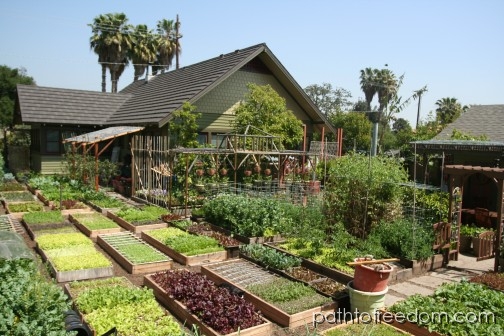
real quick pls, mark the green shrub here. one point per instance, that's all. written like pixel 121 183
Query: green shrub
pixel 406 239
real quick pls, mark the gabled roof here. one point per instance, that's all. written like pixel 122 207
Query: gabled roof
pixel 478 120
pixel 154 100
pixel 65 106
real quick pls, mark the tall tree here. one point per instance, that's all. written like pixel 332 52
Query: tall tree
pixel 267 111
pixel 329 100
pixel 368 85
pixel 168 44
pixel 448 110
pixel 111 42
pixel 9 79
pixel 143 50
pixel 356 128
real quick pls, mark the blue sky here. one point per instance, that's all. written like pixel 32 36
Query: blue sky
pixel 453 47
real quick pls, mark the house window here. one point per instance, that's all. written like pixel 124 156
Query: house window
pixel 217 140
pixel 53 140
pixel 202 138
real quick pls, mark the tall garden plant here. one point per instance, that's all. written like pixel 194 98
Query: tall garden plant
pixel 361 191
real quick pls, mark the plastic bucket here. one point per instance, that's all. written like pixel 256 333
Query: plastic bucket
pixel 366 302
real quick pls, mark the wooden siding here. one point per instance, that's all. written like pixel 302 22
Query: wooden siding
pixel 51 164
pixel 217 106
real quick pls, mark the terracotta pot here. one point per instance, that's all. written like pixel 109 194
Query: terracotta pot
pixel 371 277
pixel 200 172
pixel 248 173
pixel 267 172
pixel 223 172
pixel 211 171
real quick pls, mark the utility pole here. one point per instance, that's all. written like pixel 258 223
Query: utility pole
pixel 177 25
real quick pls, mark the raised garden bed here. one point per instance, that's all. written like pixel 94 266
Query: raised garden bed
pixel 231 244
pixel 34 222
pixel 92 224
pixel 290 267
pixel 72 256
pixel 183 293
pixel 420 267
pixel 105 205
pixel 329 272
pixel 137 220
pixel 247 240
pixel 134 255
pixel 491 279
pixel 16 196
pixel 160 239
pixel 250 277
pixel 116 302
pixel 18 209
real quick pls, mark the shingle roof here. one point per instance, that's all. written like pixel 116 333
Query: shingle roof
pixel 65 106
pixel 478 120
pixel 156 98
pixel 152 101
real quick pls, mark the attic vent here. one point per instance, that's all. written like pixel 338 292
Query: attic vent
pixel 148 78
pixel 236 51
pixel 221 55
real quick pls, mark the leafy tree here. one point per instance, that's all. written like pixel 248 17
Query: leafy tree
pixel 111 41
pixel 265 110
pixel 401 124
pixel 9 78
pixel 448 110
pixel 184 126
pixel 363 190
pixel 329 100
pixel 356 129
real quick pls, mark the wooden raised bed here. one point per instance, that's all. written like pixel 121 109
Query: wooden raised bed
pixel 251 270
pixel 316 267
pixel 130 267
pixel 32 232
pixel 182 258
pixel 405 325
pixel 247 240
pixel 92 233
pixel 137 229
pixel 84 274
pixel 181 311
pixel 419 267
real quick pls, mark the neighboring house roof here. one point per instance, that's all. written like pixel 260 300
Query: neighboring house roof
pixel 65 106
pixel 153 101
pixel 478 120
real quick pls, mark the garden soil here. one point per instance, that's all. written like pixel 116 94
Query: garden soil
pixel 137 280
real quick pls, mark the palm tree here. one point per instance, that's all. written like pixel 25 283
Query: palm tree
pixel 97 43
pixel 367 82
pixel 111 41
pixel 449 109
pixel 168 44
pixel 143 51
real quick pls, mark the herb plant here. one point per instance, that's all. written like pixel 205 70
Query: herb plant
pixel 43 217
